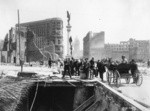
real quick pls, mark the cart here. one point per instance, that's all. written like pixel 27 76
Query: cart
pixel 123 71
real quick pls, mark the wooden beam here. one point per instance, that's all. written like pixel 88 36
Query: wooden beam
pixel 85 104
pixel 93 106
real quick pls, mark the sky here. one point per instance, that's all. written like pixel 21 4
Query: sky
pixel 120 19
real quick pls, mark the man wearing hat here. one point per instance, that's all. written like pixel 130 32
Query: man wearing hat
pixel 124 60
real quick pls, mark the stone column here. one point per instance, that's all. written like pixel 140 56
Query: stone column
pixel 68 36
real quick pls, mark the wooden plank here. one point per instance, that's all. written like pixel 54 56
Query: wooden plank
pixel 85 104
pixel 93 106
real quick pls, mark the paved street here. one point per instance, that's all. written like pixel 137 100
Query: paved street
pixel 141 93
pixel 13 70
pixel 138 93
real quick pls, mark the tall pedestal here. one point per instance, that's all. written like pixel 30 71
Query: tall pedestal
pixel 68 36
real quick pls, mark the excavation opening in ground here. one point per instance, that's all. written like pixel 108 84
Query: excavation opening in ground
pixel 56 97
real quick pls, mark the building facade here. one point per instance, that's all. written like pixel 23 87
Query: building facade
pixel 138 49
pixel 47 31
pixel 115 51
pixel 34 41
pixel 132 49
pixel 93 45
pixel 86 45
pixel 14 45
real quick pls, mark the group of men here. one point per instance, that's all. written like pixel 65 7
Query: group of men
pixel 89 68
pixel 75 67
pixel 72 67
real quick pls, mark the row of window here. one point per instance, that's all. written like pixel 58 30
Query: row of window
pixel 54 25
pixel 57 42
pixel 42 30
pixel 121 49
pixel 58 49
pixel 56 32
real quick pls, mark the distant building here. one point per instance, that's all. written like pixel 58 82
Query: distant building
pixel 16 48
pixel 10 51
pixel 93 45
pixel 4 49
pixel 1 49
pixel 132 49
pixel 77 53
pixel 86 45
pixel 115 51
pixel 44 40
pixel 47 31
pixel 139 49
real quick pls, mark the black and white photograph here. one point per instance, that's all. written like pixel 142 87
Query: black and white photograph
pixel 74 55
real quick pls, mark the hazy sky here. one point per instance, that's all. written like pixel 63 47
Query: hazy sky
pixel 120 19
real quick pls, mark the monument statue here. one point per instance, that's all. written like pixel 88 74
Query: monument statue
pixel 68 16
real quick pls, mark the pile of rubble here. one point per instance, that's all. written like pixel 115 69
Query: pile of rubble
pixel 12 89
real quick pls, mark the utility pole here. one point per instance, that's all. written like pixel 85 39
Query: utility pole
pixel 16 46
pixel 1 56
pixel 20 60
pixel 19 34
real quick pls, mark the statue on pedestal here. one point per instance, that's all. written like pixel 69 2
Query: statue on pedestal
pixel 68 16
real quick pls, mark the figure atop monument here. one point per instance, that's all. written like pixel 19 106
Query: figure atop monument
pixel 68 16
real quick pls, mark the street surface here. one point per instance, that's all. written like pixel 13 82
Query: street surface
pixel 140 94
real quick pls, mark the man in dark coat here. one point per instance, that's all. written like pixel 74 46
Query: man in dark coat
pixel 92 63
pixel 67 67
pixel 72 66
pixel 101 68
pixel 86 68
pixel 78 67
pixel 50 62
pixel 148 63
pixel 134 69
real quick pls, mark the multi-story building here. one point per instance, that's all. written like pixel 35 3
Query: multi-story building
pixel 132 49
pixel 115 51
pixel 1 50
pixel 34 41
pixel 139 49
pixel 86 45
pixel 93 45
pixel 14 45
pixel 47 31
